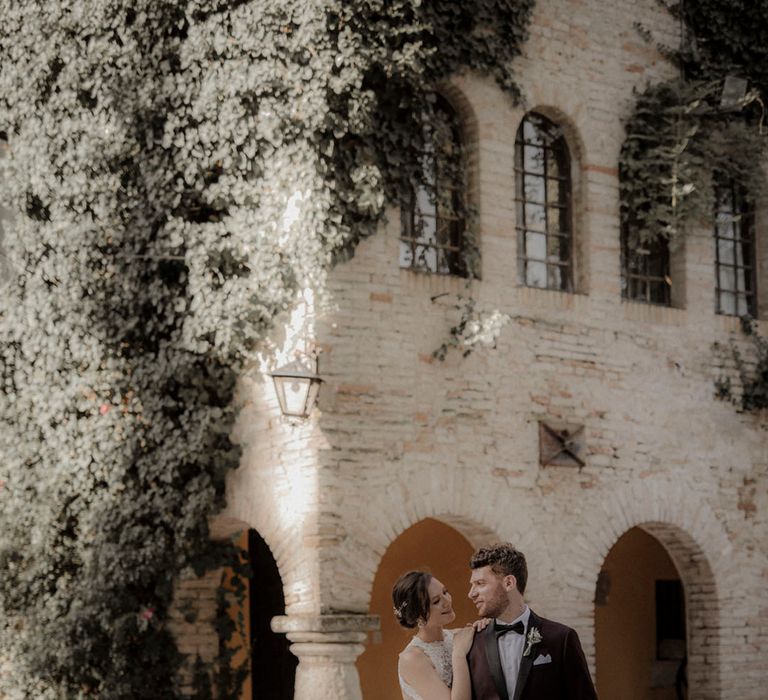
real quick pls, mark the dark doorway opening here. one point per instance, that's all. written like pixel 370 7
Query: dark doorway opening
pixel 273 667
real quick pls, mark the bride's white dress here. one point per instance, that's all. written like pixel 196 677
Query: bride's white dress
pixel 439 653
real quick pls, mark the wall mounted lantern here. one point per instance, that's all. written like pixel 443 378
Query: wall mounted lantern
pixel 296 386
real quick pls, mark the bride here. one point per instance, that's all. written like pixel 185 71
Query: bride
pixel 433 666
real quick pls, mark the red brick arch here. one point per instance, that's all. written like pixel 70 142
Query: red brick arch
pixel 698 546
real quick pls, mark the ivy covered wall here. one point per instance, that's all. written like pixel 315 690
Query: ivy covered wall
pixel 177 170
pixel 686 130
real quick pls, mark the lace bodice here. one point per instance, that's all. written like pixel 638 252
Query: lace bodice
pixel 439 653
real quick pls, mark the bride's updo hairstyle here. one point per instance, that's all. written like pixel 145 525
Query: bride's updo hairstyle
pixel 410 596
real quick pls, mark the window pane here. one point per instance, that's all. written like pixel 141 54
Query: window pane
pixel 740 255
pixel 535 216
pixel 725 250
pixel 557 191
pixel 636 263
pixel 543 217
pixel 406 254
pixel 536 274
pixel 426 258
pixel 534 189
pixel 554 166
pixel 454 261
pixel 426 229
pixel 530 132
pixel 557 280
pixel 535 246
pixel 443 265
pixel 557 249
pixel 727 303
pixel 533 159
pixel 657 265
pixel 557 219
pixel 425 203
pixel 443 232
pixel 735 254
pixel 727 278
pixel 433 214
pixel 659 292
pixel 741 280
pixel 637 289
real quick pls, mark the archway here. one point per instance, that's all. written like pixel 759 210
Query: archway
pixel 428 545
pixel 272 665
pixel 656 618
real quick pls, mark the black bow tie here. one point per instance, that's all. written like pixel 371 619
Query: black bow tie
pixel 501 628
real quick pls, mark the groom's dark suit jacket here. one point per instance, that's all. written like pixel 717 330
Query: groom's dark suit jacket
pixel 565 677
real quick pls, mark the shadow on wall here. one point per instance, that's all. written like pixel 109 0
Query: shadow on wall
pixel 429 545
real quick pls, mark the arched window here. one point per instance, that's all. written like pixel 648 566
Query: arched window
pixel 543 196
pixel 734 250
pixel 432 214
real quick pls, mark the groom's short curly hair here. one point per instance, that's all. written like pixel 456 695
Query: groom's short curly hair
pixel 504 560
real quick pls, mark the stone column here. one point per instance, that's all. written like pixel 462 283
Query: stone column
pixel 327 647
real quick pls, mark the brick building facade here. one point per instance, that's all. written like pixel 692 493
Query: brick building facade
pixel 399 436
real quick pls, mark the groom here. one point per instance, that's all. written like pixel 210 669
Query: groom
pixel 520 656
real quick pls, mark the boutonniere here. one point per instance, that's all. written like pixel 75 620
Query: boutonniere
pixel 534 637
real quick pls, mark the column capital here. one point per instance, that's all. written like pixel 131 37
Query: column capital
pixel 327 647
pixel 325 625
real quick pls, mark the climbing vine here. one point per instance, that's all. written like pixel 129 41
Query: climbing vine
pixel 752 371
pixel 684 131
pixel 476 327
pixel 176 170
pixel 687 134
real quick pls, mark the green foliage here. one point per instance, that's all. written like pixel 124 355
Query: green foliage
pixel 726 37
pixel 753 372
pixel 178 170
pixel 475 327
pixel 676 140
pixel 679 136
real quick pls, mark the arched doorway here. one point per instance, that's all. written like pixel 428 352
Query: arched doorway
pixel 640 622
pixel 428 545
pixel 272 667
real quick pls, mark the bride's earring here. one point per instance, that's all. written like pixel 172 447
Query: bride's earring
pixel 421 623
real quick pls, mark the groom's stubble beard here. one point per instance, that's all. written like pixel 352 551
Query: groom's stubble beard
pixel 496 606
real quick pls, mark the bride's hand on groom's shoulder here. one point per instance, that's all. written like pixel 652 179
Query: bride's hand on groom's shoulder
pixel 481 624
pixel 462 641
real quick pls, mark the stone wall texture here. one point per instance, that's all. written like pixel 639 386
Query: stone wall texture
pixel 399 436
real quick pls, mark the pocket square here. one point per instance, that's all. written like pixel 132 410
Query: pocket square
pixel 541 659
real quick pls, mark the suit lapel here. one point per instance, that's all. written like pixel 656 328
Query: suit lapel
pixel 494 662
pixel 527 661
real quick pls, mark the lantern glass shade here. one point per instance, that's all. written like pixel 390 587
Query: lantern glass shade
pixel 296 387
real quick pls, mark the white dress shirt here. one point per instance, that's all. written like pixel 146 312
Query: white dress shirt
pixel 511 647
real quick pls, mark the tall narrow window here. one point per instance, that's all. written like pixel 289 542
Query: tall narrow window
pixel 734 251
pixel 645 270
pixel 433 226
pixel 543 177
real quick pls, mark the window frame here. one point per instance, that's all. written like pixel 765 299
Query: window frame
pixel 561 153
pixel 631 257
pixel 449 242
pixel 743 219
